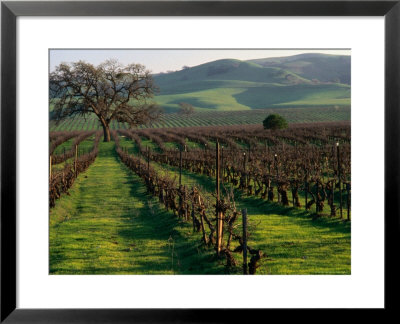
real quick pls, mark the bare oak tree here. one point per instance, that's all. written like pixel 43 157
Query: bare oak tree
pixel 185 109
pixel 110 90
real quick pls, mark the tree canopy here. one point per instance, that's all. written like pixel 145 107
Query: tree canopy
pixel 110 90
pixel 185 109
pixel 275 121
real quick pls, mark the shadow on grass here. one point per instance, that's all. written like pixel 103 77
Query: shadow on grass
pixel 257 205
pixel 306 218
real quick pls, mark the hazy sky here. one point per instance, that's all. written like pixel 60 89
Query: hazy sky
pixel 163 60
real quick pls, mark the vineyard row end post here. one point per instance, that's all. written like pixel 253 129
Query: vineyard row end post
pixel 148 162
pixel 277 176
pixel 340 180
pixel 244 169
pixel 76 160
pixel 222 163
pixel 50 169
pixel 348 189
pixel 180 166
pixel 244 221
pixel 218 212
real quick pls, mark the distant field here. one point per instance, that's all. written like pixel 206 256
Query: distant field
pixel 215 118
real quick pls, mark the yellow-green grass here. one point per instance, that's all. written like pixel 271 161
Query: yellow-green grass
pixel 109 225
pixel 214 99
pixel 309 102
pixel 149 143
pixel 127 143
pixel 193 145
pixel 171 145
pixel 64 146
pixel 295 241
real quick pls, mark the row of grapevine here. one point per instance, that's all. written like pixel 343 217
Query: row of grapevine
pixel 215 223
pixel 67 154
pixel 216 118
pixel 315 164
pixel 60 181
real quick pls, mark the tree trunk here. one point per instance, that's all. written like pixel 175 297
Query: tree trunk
pixel 107 135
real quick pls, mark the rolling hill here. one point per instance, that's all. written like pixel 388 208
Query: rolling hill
pixel 307 80
pixel 320 67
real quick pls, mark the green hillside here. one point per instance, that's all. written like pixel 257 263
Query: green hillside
pixel 228 69
pixel 239 85
pixel 321 67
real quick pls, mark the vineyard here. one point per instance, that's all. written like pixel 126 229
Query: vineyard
pixel 214 118
pixel 216 199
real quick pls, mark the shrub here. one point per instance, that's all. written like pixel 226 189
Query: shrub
pixel 275 121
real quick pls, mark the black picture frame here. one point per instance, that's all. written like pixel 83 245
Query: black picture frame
pixel 9 13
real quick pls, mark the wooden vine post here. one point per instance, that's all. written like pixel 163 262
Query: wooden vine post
pixel 50 170
pixel 193 218
pixel 76 160
pixel 348 189
pixel 218 207
pixel 148 162
pixel 316 198
pixel 248 175
pixel 222 163
pixel 340 180
pixel 244 169
pixel 244 221
pixel 277 175
pixel 186 206
pixel 180 166
pixel 202 220
pixel 306 188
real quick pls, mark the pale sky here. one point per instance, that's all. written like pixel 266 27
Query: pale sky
pixel 162 60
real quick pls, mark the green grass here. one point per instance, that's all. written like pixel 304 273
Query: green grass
pixel 304 95
pixel 295 242
pixel 109 225
pixel 64 146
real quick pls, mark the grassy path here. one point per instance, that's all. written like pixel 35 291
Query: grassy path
pixel 109 225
